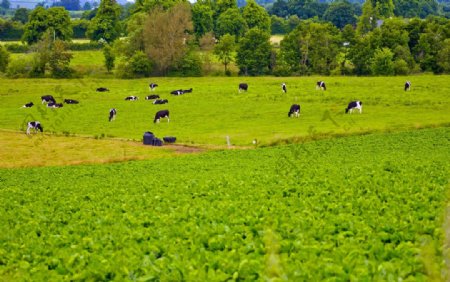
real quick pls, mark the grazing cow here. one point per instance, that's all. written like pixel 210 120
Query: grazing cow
pixel 243 87
pixel 36 125
pixel 294 110
pixel 70 101
pixel 354 105
pixel 160 101
pixel 54 105
pixel 283 87
pixel 151 97
pixel 131 98
pixel 407 85
pixel 177 92
pixel 152 86
pixel 102 89
pixel 321 85
pixel 48 99
pixel 112 114
pixel 161 114
pixel 29 105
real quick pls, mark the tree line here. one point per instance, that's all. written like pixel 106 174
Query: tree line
pixel 175 37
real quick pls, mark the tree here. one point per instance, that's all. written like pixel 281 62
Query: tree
pixel 202 18
pixel 109 57
pixel 384 8
pixel 280 8
pixel 21 15
pixel 4 58
pixel 382 62
pixel 105 24
pixel 55 19
pixel 87 6
pixel 224 50
pixel 340 13
pixel 368 20
pixel 443 56
pixel 231 22
pixel 165 35
pixel 253 55
pixel 5 4
pixel 256 16
pixel 59 60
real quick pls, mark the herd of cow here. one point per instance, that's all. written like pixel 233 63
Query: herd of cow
pixel 294 110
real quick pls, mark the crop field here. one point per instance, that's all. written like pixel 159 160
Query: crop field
pixel 359 208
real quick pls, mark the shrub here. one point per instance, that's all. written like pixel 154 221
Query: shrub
pixel 4 58
pixel 17 48
pixel 21 66
pixel 401 67
pixel 136 66
pixel 190 65
pixel 10 30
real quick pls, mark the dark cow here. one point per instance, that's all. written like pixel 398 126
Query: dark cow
pixel 131 98
pixel 321 85
pixel 161 114
pixel 48 99
pixel 36 125
pixel 102 89
pixel 151 97
pixel 283 87
pixel 54 105
pixel 29 105
pixel 160 101
pixel 243 87
pixel 177 92
pixel 112 114
pixel 152 86
pixel 70 101
pixel 294 110
pixel 187 90
pixel 354 105
pixel 407 85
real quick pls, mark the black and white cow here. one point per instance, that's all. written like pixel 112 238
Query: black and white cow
pixel 54 105
pixel 102 89
pixel 28 105
pixel 187 91
pixel 112 114
pixel 36 125
pixel 152 97
pixel 294 110
pixel 243 87
pixel 321 85
pixel 177 92
pixel 48 99
pixel 407 85
pixel 354 105
pixel 70 101
pixel 160 101
pixel 161 114
pixel 152 86
pixel 131 98
pixel 283 87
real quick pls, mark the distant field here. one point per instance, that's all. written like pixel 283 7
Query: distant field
pixel 362 208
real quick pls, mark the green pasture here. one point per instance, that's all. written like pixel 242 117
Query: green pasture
pixel 215 109
pixel 360 208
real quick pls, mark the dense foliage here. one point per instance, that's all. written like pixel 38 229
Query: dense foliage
pixel 360 208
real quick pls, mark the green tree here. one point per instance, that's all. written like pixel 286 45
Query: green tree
pixel 382 62
pixel 202 18
pixel 5 4
pixel 280 8
pixel 256 16
pixel 340 13
pixel 384 8
pixel 21 15
pixel 59 60
pixel 254 51
pixel 4 58
pixel 55 19
pixel 105 25
pixel 109 57
pixel 224 50
pixel 368 20
pixel 443 56
pixel 231 22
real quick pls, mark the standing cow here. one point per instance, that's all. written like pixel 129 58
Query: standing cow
pixel 161 114
pixel 320 85
pixel 407 85
pixel 243 87
pixel 36 125
pixel 283 87
pixel 294 110
pixel 354 105
pixel 48 99
pixel 112 114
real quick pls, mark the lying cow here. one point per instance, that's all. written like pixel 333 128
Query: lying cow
pixel 243 87
pixel 177 92
pixel 294 110
pixel 48 99
pixel 160 101
pixel 152 86
pixel 151 97
pixel 131 98
pixel 28 105
pixel 187 91
pixel 112 114
pixel 36 125
pixel 70 101
pixel 321 85
pixel 407 85
pixel 54 105
pixel 283 87
pixel 161 114
pixel 102 89
pixel 354 105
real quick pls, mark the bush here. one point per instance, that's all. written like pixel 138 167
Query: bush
pixel 79 28
pixel 21 67
pixel 17 48
pixel 10 30
pixel 137 66
pixel 190 65
pixel 401 67
pixel 84 46
pixel 4 59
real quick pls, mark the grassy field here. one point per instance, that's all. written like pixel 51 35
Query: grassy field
pixel 361 208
